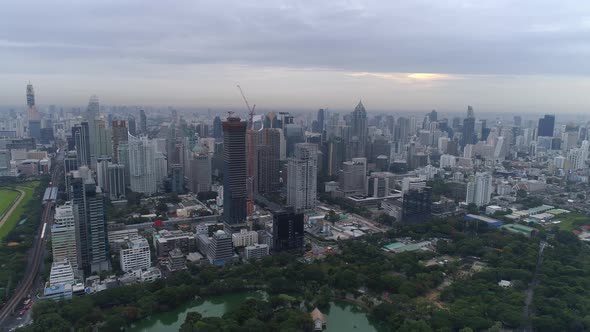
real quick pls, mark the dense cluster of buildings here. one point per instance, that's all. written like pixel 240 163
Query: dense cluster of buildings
pixel 264 177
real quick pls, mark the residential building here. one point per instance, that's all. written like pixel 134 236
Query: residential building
pixel 136 255
pixel 302 177
pixel 479 189
pixel 165 241
pixel 63 235
pixel 244 238
pixel 256 251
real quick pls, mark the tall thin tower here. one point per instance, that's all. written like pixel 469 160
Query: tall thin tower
pixel 234 170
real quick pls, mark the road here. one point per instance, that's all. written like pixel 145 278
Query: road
pixel 36 255
pixel 530 292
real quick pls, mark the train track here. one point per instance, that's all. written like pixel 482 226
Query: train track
pixel 34 261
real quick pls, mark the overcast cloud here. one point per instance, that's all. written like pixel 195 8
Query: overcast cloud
pixel 528 55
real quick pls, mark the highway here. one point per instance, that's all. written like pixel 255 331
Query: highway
pixel 36 255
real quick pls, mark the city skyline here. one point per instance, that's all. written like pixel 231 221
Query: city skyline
pixel 402 56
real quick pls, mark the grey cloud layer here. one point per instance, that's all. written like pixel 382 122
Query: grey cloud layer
pixel 455 37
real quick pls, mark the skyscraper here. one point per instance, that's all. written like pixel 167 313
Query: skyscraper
pixel 479 189
pixel 30 96
pixel 302 177
pixel 321 120
pixel 93 109
pixel 119 133
pixel 33 115
pixel 88 204
pixel 546 126
pixel 142 122
pixel 217 128
pixel 470 113
pixel 81 135
pixel 142 165
pixel 199 172
pixel 63 235
pixel 469 135
pixel 359 132
pixel 234 171
pixel 132 125
pixel 269 154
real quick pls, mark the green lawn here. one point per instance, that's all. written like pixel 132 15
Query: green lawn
pixel 16 215
pixel 7 196
pixel 571 221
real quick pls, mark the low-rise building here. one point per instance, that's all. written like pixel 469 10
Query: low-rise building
pixel 165 241
pixel 136 255
pixel 244 238
pixel 256 251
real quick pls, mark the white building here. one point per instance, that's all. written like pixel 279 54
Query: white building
pixel 447 161
pixel 61 273
pixel 136 256
pixel 412 183
pixel 63 235
pixel 256 251
pixel 479 190
pixel 244 238
pixel 142 165
pixel 302 177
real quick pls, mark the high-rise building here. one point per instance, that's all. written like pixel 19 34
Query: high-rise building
pixel 199 173
pixel 469 135
pixel 417 205
pixel 353 177
pixel 470 113
pixel 135 255
pixel 217 129
pixel 142 122
pixel 479 189
pixel 93 109
pixel 517 121
pixel 433 116
pixel 142 165
pixel 88 203
pixel 302 177
pixel 287 229
pixel 268 165
pixel 34 117
pixel 176 179
pixel 120 135
pixel 578 156
pixel 234 171
pixel 63 235
pixel 30 96
pixel 321 120
pixel 116 181
pixel 81 135
pixel 546 126
pixel 132 125
pixel 359 131
pixel 220 249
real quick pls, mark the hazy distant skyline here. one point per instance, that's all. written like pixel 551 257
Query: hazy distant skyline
pixel 500 56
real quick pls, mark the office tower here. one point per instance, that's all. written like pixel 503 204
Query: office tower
pixel 379 147
pixel 101 173
pixel 199 173
pixel 102 140
pixel 470 113
pixel 81 135
pixel 353 177
pixel 546 126
pixel 517 121
pixel 403 130
pixel 302 177
pixel 220 250
pixel 88 203
pixel 142 165
pixel 333 156
pixel 234 170
pixel 63 235
pixel 142 122
pixel 358 123
pixel 93 110
pixel 30 95
pixel 252 142
pixel 268 166
pixel 116 181
pixel 176 179
pixel 469 136
pixel 131 124
pixel 479 189
pixel 321 120
pixel 34 117
pixel 294 134
pixel 287 230
pixel 120 135
pixel 217 129
pixel 380 184
pixel 417 205
pixel 136 255
pixel 433 116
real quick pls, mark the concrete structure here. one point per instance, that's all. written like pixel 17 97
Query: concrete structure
pixel 142 165
pixel 244 238
pixel 479 189
pixel 165 241
pixel 61 273
pixel 256 251
pixel 353 177
pixel 380 184
pixel 302 177
pixel 136 256
pixel 63 235
pixel 176 260
pixel 220 250
pixel 234 171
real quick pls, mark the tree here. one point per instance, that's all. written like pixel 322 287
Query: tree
pixel 332 217
pixel 385 219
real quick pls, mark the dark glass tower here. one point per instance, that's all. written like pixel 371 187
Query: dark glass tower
pixel 234 171
pixel 546 126
pixel 287 229
pixel 469 135
pixel 81 134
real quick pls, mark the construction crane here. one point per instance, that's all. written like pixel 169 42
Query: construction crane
pixel 250 109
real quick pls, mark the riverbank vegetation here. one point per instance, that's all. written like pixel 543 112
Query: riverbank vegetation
pixel 410 291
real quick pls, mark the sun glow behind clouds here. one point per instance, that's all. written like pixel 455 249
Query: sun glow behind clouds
pixel 407 77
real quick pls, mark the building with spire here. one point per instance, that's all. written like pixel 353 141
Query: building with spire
pixel 359 131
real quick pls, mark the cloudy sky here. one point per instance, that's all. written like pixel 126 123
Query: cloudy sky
pixel 498 55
